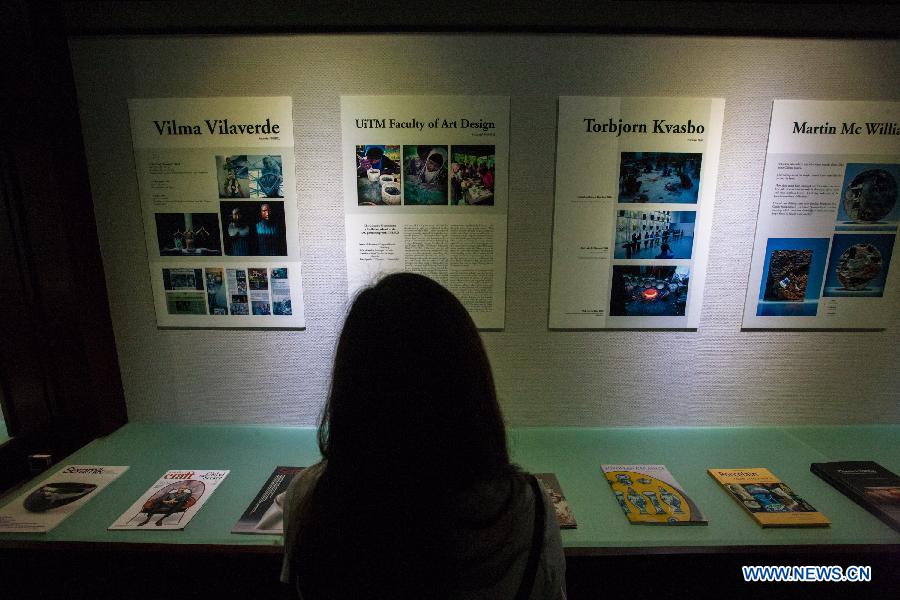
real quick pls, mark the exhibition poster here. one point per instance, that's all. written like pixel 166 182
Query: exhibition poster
pixel 828 216
pixel 426 191
pixel 172 501
pixel 635 187
pixel 218 198
pixel 47 504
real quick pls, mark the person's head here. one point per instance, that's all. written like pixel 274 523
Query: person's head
pixel 434 162
pixel 664 247
pixel 236 216
pixel 412 391
pixel 265 211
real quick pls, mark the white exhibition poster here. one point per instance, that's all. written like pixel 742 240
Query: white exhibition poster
pixel 47 504
pixel 828 216
pixel 218 198
pixel 172 501
pixel 635 187
pixel 426 191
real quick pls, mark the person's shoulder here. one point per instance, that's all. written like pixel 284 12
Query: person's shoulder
pixel 304 483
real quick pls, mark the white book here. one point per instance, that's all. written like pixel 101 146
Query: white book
pixel 172 501
pixel 49 503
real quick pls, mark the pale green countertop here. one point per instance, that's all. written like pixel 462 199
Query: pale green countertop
pixel 574 454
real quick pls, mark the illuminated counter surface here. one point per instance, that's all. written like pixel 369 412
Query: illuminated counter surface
pixel 574 454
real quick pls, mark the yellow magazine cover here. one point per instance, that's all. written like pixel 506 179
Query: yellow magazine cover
pixel 768 499
pixel 649 495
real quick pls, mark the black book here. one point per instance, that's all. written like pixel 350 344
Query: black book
pixel 868 484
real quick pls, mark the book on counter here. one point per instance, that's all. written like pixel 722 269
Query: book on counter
pixel 768 499
pixel 266 513
pixel 172 501
pixel 560 505
pixel 650 495
pixel 868 484
pixel 47 504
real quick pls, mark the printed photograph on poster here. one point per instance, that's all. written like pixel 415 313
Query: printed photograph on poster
pixel 182 279
pixel 260 304
pixel 472 175
pixel 188 234
pixel 250 176
pixel 667 177
pixel 281 292
pixel 425 175
pixel 237 291
pixel 259 279
pixel 185 303
pixel 792 277
pixel 215 291
pixel 239 305
pixel 660 234
pixel 869 198
pixel 648 291
pixel 259 292
pixel 237 281
pixel 858 265
pixel 254 228
pixel 378 175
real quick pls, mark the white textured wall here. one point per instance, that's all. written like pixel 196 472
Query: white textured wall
pixel 717 375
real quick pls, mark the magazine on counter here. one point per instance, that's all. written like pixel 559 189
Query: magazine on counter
pixel 560 504
pixel 266 513
pixel 769 500
pixel 171 502
pixel 650 495
pixel 49 503
pixel 868 484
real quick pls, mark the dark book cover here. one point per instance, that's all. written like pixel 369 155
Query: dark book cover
pixel 266 513
pixel 868 484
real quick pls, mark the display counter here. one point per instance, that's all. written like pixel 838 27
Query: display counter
pixel 574 454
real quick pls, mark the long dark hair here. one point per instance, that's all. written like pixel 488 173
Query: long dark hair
pixel 411 423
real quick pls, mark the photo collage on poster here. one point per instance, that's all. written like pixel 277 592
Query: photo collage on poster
pixel 796 274
pixel 645 281
pixel 250 222
pixel 425 175
pixel 222 291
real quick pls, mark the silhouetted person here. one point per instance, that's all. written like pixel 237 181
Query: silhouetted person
pixel 415 496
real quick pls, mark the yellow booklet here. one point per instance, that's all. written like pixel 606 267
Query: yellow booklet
pixel 769 500
pixel 649 495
